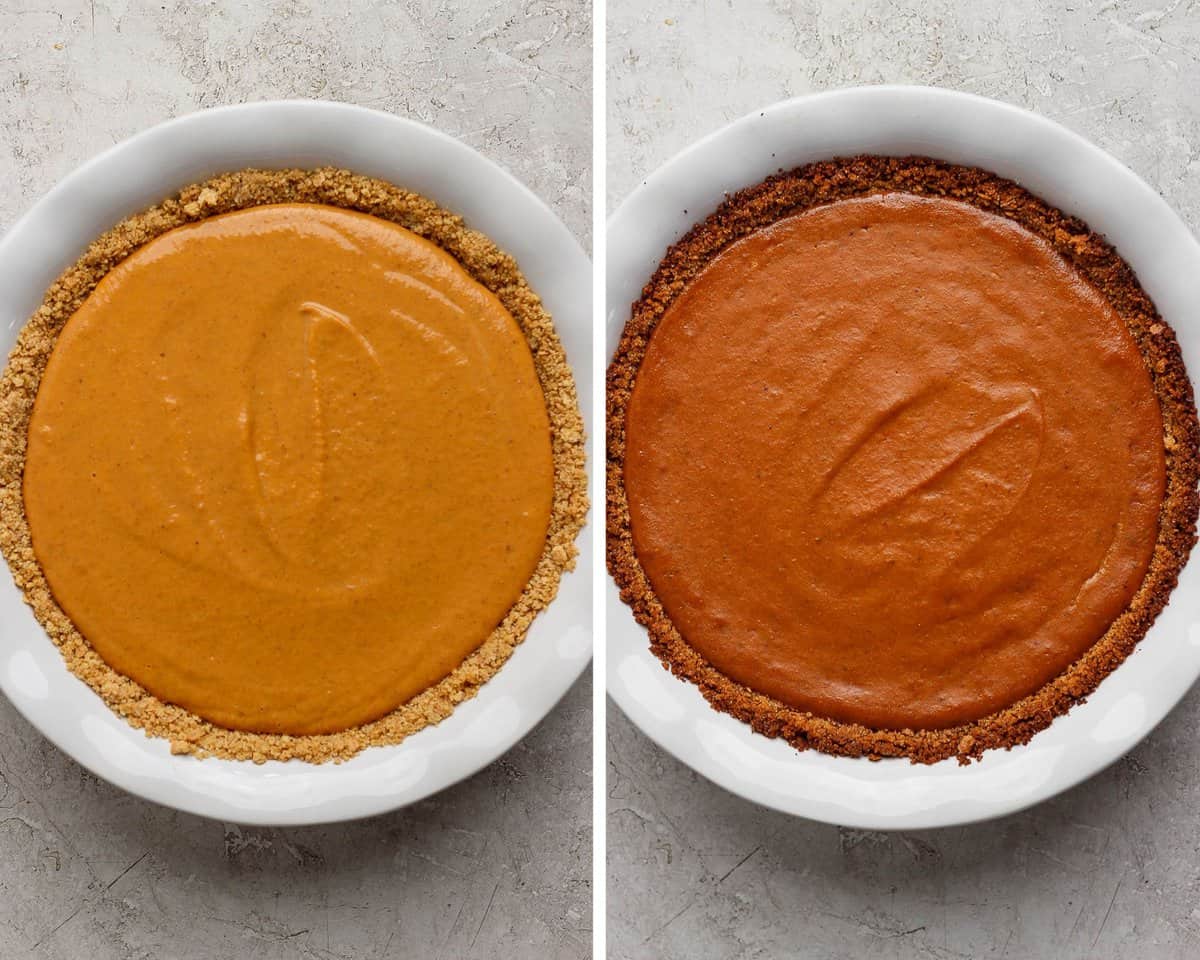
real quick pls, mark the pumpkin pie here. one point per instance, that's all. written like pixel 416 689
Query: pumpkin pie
pixel 902 461
pixel 289 463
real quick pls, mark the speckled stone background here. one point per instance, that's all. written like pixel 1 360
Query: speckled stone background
pixel 499 866
pixel 1112 868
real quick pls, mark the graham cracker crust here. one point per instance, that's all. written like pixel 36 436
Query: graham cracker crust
pixel 487 264
pixel 1098 262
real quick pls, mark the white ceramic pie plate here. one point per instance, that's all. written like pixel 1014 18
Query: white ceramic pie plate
pixel 1068 172
pixel 142 171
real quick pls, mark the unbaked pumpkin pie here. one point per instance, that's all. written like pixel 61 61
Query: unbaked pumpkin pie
pixel 902 461
pixel 290 463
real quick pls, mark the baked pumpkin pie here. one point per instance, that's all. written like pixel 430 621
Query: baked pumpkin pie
pixel 902 461
pixel 289 463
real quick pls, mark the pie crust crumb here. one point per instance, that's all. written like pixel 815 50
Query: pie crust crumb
pixel 485 262
pixel 1098 262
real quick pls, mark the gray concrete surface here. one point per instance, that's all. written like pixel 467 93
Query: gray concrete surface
pixel 498 866
pixel 1109 870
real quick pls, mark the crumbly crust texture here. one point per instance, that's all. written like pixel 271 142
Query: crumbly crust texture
pixel 494 269
pixel 1098 262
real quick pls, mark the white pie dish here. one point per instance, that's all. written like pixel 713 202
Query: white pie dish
pixel 144 170
pixel 1066 171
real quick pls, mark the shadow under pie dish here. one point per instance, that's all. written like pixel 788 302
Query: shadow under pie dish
pixel 901 459
pixel 304 461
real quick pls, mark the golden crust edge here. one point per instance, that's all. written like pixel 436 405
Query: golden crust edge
pixel 485 262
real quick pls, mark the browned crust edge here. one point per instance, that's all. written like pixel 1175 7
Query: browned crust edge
pixel 485 262
pixel 825 182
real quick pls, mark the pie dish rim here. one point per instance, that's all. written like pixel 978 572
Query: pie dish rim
pixel 1069 173
pixel 137 174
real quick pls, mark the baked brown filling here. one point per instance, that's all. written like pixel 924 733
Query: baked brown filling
pixel 852 447
pixel 892 446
